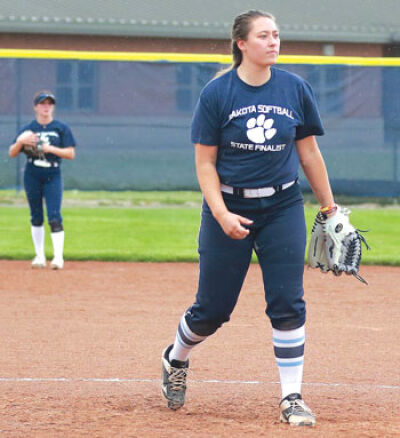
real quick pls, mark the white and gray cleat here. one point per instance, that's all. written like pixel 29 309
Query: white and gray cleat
pixel 295 412
pixel 174 375
pixel 57 263
pixel 38 262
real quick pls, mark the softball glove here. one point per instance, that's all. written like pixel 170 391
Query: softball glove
pixel 35 151
pixel 335 245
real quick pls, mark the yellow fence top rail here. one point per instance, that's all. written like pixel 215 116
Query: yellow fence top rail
pixel 190 57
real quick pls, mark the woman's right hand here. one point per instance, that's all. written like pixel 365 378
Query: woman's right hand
pixel 28 138
pixel 233 225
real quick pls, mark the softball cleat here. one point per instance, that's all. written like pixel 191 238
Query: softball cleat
pixel 57 263
pixel 173 385
pixel 295 412
pixel 38 262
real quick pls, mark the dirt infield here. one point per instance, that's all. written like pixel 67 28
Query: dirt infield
pixel 80 355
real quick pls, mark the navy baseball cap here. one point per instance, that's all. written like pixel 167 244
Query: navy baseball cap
pixel 41 97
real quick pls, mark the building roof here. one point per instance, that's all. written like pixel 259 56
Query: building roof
pixel 374 21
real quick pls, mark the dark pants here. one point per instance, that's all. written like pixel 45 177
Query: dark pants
pixel 278 237
pixel 44 183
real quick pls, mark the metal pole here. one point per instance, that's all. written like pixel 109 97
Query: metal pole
pixel 18 86
pixel 395 167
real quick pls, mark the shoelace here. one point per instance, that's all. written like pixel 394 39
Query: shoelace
pixel 298 408
pixel 177 379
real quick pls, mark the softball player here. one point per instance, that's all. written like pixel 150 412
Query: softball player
pixel 252 126
pixel 42 174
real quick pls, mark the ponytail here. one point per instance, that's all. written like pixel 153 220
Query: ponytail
pixel 240 30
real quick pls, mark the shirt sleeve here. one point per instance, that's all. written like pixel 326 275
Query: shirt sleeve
pixel 67 138
pixel 312 124
pixel 205 123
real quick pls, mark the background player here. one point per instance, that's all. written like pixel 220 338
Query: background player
pixel 42 174
pixel 252 126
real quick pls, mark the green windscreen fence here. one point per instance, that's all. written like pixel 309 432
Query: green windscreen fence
pixel 131 117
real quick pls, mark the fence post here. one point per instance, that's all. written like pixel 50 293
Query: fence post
pixel 395 167
pixel 18 116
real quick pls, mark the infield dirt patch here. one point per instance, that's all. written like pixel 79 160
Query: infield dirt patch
pixel 80 355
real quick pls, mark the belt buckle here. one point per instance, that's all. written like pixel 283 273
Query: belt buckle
pixel 261 192
pixel 267 192
pixel 239 191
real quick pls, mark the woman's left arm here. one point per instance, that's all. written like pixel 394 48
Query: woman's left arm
pixel 67 152
pixel 314 169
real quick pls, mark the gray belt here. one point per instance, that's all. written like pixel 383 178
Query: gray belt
pixel 261 192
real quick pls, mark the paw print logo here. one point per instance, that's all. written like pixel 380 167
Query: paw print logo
pixel 259 129
pixel 44 138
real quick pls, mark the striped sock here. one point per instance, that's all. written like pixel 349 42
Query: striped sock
pixel 185 340
pixel 289 354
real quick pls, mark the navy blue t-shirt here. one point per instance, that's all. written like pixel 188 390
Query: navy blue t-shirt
pixel 56 133
pixel 255 128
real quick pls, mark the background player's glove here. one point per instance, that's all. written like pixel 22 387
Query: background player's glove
pixel 335 244
pixel 32 150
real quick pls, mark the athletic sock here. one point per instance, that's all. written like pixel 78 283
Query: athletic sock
pixel 289 354
pixel 38 240
pixel 185 340
pixel 58 244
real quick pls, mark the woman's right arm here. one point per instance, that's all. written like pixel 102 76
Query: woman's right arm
pixel 26 138
pixel 232 224
pixel 15 149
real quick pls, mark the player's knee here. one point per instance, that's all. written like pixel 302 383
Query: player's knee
pixel 288 323
pixel 36 222
pixel 56 226
pixel 287 311
pixel 204 325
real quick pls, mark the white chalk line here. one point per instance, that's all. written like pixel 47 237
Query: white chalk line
pixel 226 382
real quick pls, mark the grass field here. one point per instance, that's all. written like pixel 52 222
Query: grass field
pixel 157 226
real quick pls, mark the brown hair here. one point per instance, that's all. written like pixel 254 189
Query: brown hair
pixel 240 30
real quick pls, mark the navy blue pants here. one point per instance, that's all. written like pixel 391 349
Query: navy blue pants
pixel 278 236
pixel 44 183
